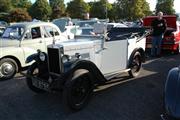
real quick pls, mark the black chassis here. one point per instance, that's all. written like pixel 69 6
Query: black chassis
pixel 57 81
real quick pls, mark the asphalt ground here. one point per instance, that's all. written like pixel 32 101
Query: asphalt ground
pixel 139 98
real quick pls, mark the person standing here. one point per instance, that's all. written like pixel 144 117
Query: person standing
pixel 158 29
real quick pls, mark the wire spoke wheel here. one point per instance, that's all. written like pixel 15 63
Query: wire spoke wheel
pixel 135 65
pixel 77 92
pixel 80 91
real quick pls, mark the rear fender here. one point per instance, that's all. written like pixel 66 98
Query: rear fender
pixel 141 51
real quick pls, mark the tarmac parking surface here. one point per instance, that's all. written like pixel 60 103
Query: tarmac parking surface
pixel 138 98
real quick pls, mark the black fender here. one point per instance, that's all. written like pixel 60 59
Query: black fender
pixel 35 57
pixel 42 65
pixel 84 66
pixel 172 93
pixel 32 57
pixel 141 51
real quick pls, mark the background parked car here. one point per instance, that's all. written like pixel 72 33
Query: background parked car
pixel 20 41
pixel 3 23
pixel 112 25
pixel 171 40
pixel 2 28
pixel 171 93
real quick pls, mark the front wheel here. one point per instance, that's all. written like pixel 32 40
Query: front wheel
pixel 77 92
pixel 8 68
pixel 135 65
pixel 33 71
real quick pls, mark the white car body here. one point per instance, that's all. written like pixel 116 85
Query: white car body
pixel 116 52
pixel 28 42
pixel 104 52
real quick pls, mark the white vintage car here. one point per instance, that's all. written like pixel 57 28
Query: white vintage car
pixel 2 28
pixel 21 40
pixel 76 66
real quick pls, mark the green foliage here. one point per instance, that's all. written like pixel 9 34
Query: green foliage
pixel 40 10
pixel 77 8
pixel 166 6
pixel 132 9
pixel 112 13
pixel 98 9
pixel 19 15
pixel 4 16
pixel 5 5
pixel 58 8
pixel 25 4
pixel 146 8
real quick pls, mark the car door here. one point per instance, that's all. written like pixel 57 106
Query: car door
pixel 33 41
pixel 114 56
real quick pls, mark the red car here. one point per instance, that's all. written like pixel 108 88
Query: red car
pixel 171 40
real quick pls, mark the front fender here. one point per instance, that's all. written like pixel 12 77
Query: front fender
pixel 31 58
pixel 172 92
pixel 89 66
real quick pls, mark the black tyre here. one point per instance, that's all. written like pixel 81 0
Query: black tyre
pixel 33 71
pixel 77 92
pixel 135 65
pixel 8 68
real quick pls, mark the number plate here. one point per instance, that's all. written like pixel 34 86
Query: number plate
pixel 40 84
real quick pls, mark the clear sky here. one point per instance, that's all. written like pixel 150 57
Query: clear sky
pixel 151 2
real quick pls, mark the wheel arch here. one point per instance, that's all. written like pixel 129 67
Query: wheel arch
pixel 142 53
pixel 84 66
pixel 15 59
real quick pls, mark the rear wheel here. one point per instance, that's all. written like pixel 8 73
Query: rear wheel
pixel 33 71
pixel 135 65
pixel 8 68
pixel 78 91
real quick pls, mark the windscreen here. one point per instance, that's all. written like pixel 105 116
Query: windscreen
pixel 13 32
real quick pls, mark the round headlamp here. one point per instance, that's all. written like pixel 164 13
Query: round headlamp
pixel 42 56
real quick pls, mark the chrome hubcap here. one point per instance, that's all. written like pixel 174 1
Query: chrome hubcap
pixel 6 69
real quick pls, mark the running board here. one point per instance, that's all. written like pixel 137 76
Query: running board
pixel 113 75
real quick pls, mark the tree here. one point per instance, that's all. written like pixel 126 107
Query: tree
pixel 132 9
pixel 25 4
pixel 112 13
pixel 77 8
pixel 98 9
pixel 5 6
pixel 166 6
pixel 58 8
pixel 40 10
pixel 19 15
pixel 146 8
